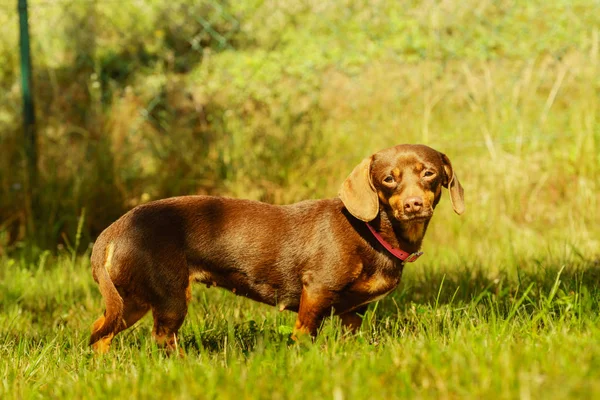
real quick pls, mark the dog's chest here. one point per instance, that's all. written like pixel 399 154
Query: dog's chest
pixel 371 287
pixel 377 284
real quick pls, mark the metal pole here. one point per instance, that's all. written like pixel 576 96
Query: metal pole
pixel 28 110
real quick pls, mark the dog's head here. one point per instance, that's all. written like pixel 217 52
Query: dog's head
pixel 406 181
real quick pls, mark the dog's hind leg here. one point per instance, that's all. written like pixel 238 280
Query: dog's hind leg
pixel 168 318
pixel 133 311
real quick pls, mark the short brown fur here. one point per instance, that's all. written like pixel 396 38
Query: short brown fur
pixel 315 257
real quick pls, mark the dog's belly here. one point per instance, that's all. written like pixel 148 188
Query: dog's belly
pixel 275 293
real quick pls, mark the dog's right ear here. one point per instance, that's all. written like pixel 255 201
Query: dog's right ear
pixel 358 193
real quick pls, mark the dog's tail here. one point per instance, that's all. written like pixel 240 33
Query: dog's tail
pixel 113 315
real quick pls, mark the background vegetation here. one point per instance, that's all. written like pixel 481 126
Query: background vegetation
pixel 277 101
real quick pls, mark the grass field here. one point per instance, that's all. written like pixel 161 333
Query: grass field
pixel 449 331
pixel 503 305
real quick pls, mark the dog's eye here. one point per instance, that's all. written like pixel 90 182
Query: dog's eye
pixel 388 179
pixel 428 173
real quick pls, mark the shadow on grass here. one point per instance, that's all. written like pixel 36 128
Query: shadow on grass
pixel 541 288
pixel 469 282
pixel 244 336
pixel 536 283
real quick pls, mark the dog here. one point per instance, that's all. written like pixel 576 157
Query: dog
pixel 315 257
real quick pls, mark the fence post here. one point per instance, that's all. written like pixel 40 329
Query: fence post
pixel 29 132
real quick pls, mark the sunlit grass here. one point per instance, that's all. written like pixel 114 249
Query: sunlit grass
pixel 446 332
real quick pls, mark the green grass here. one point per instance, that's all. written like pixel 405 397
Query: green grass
pixel 150 105
pixel 447 332
pixel 505 302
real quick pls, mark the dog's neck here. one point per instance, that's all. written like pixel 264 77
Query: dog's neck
pixel 407 236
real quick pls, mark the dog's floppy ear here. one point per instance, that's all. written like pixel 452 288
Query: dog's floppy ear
pixel 358 193
pixel 457 195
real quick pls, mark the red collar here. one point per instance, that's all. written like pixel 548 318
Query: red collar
pixel 402 255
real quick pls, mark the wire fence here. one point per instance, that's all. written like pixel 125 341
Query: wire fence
pixel 85 54
pixel 95 35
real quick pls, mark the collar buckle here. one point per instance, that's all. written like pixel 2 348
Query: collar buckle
pixel 413 257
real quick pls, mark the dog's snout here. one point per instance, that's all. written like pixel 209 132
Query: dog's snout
pixel 413 204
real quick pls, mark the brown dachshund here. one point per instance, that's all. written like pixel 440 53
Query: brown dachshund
pixel 314 257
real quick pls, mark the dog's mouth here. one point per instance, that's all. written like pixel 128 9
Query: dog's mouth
pixel 417 218
pixel 413 218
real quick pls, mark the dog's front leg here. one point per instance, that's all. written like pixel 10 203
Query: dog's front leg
pixel 315 304
pixel 352 320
